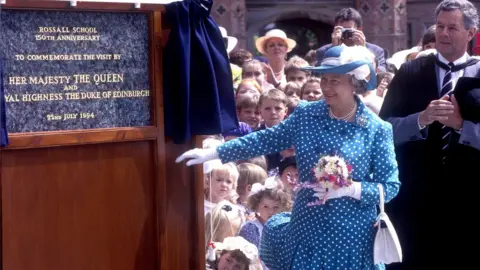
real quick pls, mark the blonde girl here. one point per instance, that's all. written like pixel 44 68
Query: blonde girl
pixel 220 183
pixel 223 221
pixel 249 174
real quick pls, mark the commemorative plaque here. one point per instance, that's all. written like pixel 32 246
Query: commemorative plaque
pixel 75 70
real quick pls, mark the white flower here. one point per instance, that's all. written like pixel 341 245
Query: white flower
pixel 357 53
pixel 270 183
pixel 237 242
pixel 334 165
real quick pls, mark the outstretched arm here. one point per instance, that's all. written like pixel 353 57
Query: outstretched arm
pixel 267 141
pixel 271 140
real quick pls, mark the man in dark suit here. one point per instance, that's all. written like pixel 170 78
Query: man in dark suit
pixel 438 152
pixel 349 19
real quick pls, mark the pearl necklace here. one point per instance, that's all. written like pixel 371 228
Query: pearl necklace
pixel 344 118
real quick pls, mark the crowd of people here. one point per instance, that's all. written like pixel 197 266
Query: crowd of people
pixel 394 119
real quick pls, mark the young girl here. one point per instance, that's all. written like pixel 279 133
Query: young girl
pixel 220 183
pixel 266 200
pixel 254 70
pixel 311 90
pixel 248 87
pixel 233 253
pixel 223 221
pixel 249 174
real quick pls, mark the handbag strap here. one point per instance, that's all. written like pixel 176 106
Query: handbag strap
pixel 382 199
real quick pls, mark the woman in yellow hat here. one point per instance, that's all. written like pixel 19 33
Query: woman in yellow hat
pixel 275 45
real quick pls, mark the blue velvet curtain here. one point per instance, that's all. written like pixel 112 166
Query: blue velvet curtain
pixel 3 120
pixel 198 87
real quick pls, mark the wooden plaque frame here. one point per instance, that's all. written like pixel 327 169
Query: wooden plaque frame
pixel 106 199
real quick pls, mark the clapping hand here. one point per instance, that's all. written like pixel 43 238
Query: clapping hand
pixel 455 119
pixel 438 110
pixel 270 75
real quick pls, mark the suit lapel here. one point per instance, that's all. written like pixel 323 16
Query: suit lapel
pixel 431 78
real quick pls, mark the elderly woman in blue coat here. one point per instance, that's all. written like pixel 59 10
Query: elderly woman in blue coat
pixel 338 234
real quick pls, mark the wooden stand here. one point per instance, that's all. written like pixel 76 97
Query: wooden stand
pixel 102 199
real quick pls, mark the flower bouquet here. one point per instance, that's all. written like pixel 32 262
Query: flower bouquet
pixel 330 172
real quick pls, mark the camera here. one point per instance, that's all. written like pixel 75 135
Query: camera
pixel 347 33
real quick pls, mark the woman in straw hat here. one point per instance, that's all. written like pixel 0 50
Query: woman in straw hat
pixel 339 233
pixel 275 45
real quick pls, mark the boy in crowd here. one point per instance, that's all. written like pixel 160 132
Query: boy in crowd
pixel 248 112
pixel 293 72
pixel 273 109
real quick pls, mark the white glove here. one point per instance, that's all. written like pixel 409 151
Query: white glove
pixel 354 191
pixel 198 156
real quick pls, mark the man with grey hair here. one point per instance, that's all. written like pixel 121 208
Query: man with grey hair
pixel 437 150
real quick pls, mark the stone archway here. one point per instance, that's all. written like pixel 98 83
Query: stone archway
pixel 309 34
pixel 311 20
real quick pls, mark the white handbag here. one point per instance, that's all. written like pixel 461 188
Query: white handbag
pixel 386 248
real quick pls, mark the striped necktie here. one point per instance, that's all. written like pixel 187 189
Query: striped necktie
pixel 447 87
pixel 447 84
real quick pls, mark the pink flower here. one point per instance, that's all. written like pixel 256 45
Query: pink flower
pixel 332 178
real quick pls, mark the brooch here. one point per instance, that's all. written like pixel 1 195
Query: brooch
pixel 362 121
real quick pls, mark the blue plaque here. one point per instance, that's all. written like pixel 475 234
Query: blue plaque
pixel 75 70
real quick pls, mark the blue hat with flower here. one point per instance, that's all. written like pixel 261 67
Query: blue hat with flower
pixel 355 60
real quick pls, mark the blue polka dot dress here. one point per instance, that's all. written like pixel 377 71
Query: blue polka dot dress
pixel 337 235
